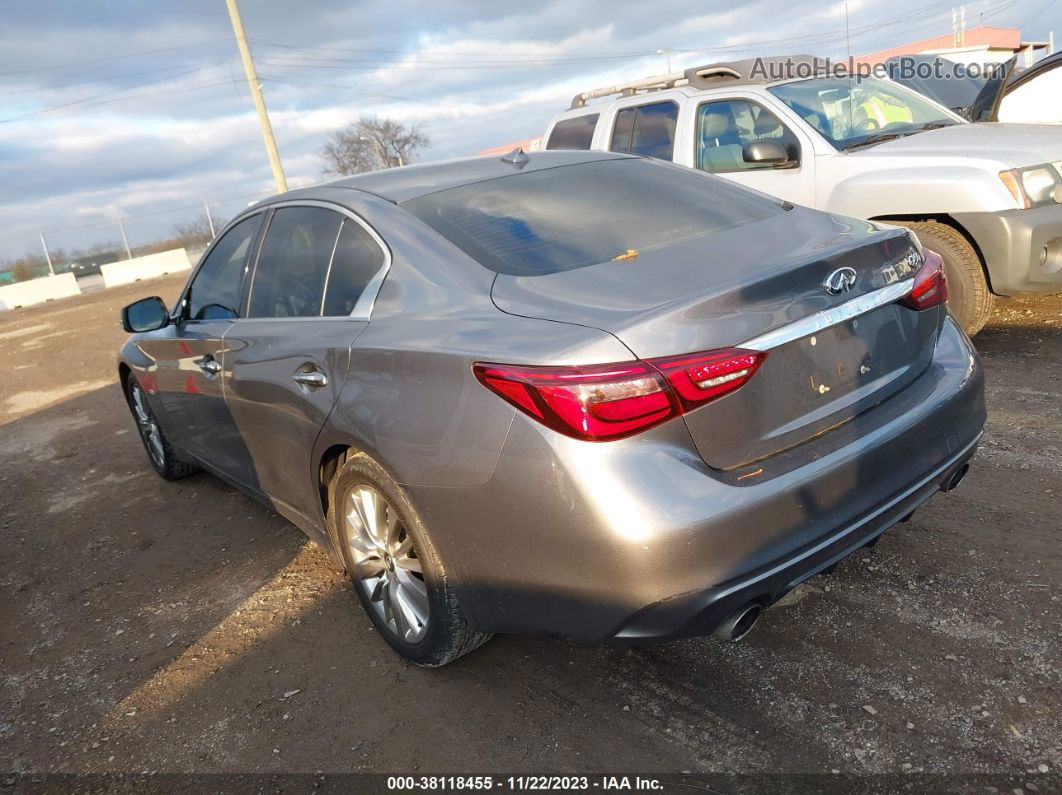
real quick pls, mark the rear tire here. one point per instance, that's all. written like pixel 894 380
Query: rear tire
pixel 394 567
pixel 160 452
pixel 969 298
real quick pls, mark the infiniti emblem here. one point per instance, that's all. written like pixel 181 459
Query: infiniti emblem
pixel 840 281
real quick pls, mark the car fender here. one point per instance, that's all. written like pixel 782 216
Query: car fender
pixel 920 189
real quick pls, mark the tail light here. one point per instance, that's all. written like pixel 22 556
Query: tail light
pixel 599 403
pixel 930 284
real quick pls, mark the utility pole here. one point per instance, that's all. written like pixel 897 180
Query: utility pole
pixel 256 95
pixel 667 53
pixel 47 256
pixel 210 220
pixel 128 253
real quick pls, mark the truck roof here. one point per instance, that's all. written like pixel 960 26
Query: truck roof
pixel 756 71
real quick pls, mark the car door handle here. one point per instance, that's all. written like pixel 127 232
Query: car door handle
pixel 314 379
pixel 210 366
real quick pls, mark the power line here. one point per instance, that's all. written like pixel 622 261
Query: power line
pixel 102 59
pixel 91 101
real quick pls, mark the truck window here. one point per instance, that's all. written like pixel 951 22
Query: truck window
pixel 851 111
pixel 724 127
pixel 574 133
pixel 647 130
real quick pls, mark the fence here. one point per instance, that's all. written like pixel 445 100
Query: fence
pixel 83 249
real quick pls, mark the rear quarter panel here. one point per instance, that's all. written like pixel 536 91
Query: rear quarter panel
pixel 410 399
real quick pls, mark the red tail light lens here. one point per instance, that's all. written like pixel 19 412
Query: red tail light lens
pixel 595 403
pixel 930 284
pixel 602 402
pixel 700 377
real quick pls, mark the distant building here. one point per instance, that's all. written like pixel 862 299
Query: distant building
pixel 528 145
pixel 976 45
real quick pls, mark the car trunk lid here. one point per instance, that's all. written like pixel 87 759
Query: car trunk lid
pixel 732 289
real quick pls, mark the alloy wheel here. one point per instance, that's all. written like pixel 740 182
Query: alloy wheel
pixel 385 564
pixel 148 427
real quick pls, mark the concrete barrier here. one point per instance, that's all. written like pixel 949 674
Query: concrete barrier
pixel 133 270
pixel 37 291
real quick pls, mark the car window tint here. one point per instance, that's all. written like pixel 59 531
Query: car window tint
pixel 723 129
pixel 357 259
pixel 293 264
pixel 576 133
pixel 622 129
pixel 654 131
pixel 647 130
pixel 215 293
pixel 558 219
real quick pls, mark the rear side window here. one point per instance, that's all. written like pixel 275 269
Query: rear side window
pixel 647 130
pixel 293 265
pixel 576 133
pixel 559 219
pixel 357 259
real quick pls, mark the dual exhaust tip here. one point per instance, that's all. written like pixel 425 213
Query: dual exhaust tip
pixel 956 478
pixel 739 623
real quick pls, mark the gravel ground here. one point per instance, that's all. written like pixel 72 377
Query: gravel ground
pixel 181 627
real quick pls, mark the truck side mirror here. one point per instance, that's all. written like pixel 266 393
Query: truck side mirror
pixel 767 151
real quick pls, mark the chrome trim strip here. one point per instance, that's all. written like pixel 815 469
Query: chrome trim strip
pixel 829 317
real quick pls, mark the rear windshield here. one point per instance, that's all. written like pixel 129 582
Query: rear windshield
pixel 559 219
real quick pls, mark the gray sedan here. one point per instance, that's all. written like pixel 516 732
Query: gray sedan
pixel 575 393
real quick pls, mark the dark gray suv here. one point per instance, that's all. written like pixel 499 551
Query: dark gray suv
pixel 575 393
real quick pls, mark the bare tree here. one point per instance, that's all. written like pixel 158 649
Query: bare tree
pixel 370 144
pixel 28 267
pixel 196 231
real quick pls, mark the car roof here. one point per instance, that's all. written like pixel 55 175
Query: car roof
pixel 410 182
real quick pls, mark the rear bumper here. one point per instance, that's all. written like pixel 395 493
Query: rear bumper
pixel 640 539
pixel 1014 242
pixel 701 613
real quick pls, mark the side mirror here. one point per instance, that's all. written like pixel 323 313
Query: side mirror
pixel 147 314
pixel 767 151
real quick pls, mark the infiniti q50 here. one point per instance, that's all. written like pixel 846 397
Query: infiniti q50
pixel 582 394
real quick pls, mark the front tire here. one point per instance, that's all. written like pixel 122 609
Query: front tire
pixel 396 572
pixel 969 298
pixel 159 450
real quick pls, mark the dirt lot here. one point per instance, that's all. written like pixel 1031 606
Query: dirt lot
pixel 154 626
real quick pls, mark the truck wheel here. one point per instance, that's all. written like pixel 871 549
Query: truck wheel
pixel 969 298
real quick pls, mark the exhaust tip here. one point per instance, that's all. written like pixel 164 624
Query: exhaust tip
pixel 739 623
pixel 956 478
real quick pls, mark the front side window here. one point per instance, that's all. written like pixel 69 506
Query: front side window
pixel 289 279
pixel 647 130
pixel 724 127
pixel 559 219
pixel 854 111
pixel 575 133
pixel 215 292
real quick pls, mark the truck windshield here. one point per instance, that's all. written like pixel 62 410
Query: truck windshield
pixel 559 219
pixel 856 111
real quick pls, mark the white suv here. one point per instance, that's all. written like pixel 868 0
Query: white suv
pixel 987 197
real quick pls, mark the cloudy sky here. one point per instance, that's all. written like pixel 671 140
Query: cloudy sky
pixel 141 110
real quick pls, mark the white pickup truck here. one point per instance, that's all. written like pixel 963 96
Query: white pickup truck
pixel 987 197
